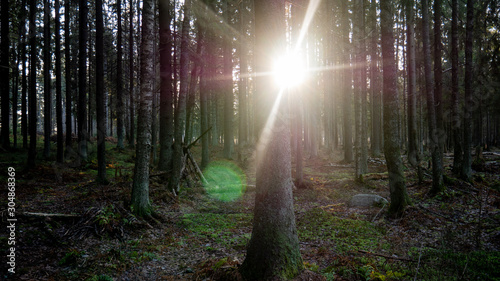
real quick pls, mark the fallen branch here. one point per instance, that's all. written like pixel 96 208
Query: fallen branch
pixel 196 140
pixel 48 215
pixel 385 256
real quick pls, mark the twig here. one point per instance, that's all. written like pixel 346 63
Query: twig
pixel 385 256
pixel 379 212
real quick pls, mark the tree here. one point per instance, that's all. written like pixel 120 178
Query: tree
pixel 437 164
pixel 413 153
pixel 347 82
pixel 456 122
pixel 32 101
pixel 99 96
pixel 228 86
pixel 59 119
pixel 397 186
pixel 469 37
pixel 375 141
pixel 131 140
pixel 166 90
pixel 140 204
pixel 82 81
pixel 119 78
pixel 47 92
pixel 180 110
pixel 438 76
pixel 243 81
pixel 68 74
pixel 273 250
pixel 360 90
pixel 4 72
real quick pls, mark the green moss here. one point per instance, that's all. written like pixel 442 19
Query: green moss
pixel 345 234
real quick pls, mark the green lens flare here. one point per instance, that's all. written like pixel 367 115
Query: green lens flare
pixel 226 181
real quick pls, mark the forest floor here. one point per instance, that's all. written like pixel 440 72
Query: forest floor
pixel 199 236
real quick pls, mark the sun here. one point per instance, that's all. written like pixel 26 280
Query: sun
pixel 289 71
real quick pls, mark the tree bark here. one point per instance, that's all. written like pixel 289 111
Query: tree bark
pixel 273 250
pixel 82 81
pixel 438 76
pixel 32 100
pixel 59 120
pixel 68 75
pixel 131 140
pixel 166 88
pixel 140 203
pixel 374 85
pixel 243 81
pixel 228 87
pixel 47 92
pixel 455 95
pixel 119 78
pixel 469 104
pixel 347 83
pixel 99 95
pixel 397 186
pixel 180 110
pixel 413 153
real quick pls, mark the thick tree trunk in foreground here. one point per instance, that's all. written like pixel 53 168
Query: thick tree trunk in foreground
pixel 273 250
pixel 397 187
pixel 375 141
pixel 140 204
pixel 131 140
pixel 437 164
pixel 68 64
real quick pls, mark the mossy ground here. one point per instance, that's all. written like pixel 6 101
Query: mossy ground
pixel 452 236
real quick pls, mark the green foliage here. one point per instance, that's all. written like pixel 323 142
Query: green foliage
pixel 443 264
pixel 107 215
pixel 218 227
pixel 346 234
pixel 71 257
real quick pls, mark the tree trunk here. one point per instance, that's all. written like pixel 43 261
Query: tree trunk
pixel 469 104
pixel 180 110
pixel 455 95
pixel 413 153
pixel 374 85
pixel 119 78
pixel 140 204
pixel 82 81
pixel 360 88
pixel 273 250
pixel 397 186
pixel 59 119
pixel 347 83
pixel 437 164
pixel 438 76
pixel 131 140
pixel 32 101
pixel 68 75
pixel 47 92
pixel 99 95
pixel 228 87
pixel 24 83
pixel 243 82
pixel 4 73
pixel 166 89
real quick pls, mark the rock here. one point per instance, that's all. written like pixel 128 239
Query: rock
pixel 367 200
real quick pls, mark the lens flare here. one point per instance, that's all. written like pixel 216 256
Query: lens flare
pixel 289 71
pixel 225 181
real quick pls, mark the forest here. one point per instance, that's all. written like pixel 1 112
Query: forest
pixel 250 140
